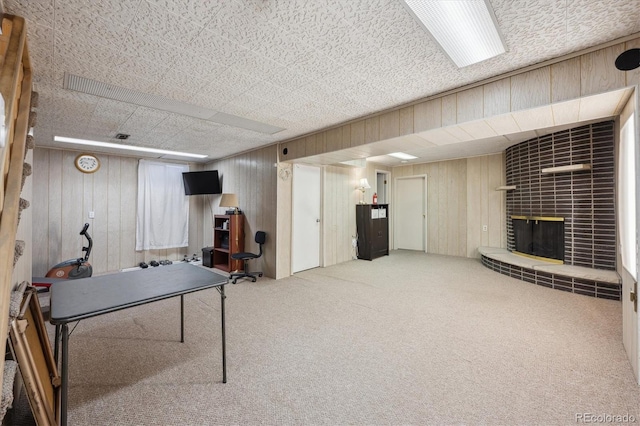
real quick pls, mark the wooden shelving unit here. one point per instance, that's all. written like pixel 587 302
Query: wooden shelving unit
pixel 227 240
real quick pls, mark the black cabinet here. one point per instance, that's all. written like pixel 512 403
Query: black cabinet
pixel 372 223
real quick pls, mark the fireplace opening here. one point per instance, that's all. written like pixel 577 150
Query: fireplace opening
pixel 539 236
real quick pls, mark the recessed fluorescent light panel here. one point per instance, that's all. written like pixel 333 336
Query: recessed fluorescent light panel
pixel 465 29
pixel 125 147
pixel 403 156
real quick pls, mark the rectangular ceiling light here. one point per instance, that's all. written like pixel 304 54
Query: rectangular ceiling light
pixel 466 30
pixel 403 156
pixel 125 147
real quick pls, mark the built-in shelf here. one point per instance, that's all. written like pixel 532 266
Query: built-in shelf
pixel 506 188
pixel 566 169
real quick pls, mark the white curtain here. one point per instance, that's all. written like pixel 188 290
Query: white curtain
pixel 163 209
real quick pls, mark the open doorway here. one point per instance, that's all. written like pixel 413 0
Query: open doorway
pixel 382 186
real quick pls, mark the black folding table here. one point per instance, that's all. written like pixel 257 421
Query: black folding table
pixel 74 300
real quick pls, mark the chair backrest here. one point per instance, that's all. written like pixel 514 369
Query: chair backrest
pixel 261 237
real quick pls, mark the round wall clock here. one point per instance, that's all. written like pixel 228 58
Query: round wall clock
pixel 87 163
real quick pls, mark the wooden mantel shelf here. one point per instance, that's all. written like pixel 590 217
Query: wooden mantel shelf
pixel 567 169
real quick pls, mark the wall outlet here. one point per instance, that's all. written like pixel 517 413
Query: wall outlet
pixel 484 228
pixel 92 215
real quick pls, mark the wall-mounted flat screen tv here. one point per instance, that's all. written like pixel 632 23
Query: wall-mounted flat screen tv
pixel 205 182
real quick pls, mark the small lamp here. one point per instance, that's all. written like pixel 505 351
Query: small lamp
pixel 364 184
pixel 230 200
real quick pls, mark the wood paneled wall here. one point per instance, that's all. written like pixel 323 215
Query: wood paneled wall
pixel 338 224
pixel 461 198
pixel 63 198
pixel 339 197
pixel 253 178
pixel 563 79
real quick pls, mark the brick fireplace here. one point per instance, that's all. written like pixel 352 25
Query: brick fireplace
pixel 582 199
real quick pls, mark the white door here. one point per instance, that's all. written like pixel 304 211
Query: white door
pixel 410 213
pixel 628 184
pixel 305 231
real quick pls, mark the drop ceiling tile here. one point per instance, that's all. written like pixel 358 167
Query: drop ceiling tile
pixel 72 53
pixel 121 12
pixel 268 91
pixel 522 136
pixel 584 19
pixel 115 110
pixel 233 81
pixel 178 85
pixel 211 99
pixel 340 79
pixel 205 68
pixel 157 22
pixel 39 12
pixel 600 106
pixel 285 77
pixel 201 11
pixel 240 24
pixel 250 62
pixel 209 44
pixel 323 21
pixel 439 136
pixel 478 129
pixel 153 50
pixel 40 46
pixel 77 23
pixel 361 12
pixel 138 66
pixel 537 118
pixel 142 120
pixel 545 18
pixel 459 133
pixel 242 104
pixel 503 124
pixel 103 126
pixel 566 112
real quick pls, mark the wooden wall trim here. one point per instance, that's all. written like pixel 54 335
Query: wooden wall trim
pixel 587 72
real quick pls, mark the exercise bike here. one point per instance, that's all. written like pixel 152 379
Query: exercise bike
pixel 74 268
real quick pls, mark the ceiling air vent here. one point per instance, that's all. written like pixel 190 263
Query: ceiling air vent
pixel 110 91
pixel 122 136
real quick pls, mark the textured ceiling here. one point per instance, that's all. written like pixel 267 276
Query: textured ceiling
pixel 300 65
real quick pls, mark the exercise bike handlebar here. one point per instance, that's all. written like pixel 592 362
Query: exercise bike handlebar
pixel 88 237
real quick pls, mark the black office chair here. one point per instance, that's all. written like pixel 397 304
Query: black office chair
pixel 246 257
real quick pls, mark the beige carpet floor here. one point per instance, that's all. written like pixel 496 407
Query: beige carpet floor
pixel 405 339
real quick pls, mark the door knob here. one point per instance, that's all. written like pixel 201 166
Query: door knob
pixel 317 220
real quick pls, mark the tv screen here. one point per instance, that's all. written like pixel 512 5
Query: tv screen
pixel 206 182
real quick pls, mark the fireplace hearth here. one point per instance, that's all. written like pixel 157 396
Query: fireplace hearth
pixel 539 237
